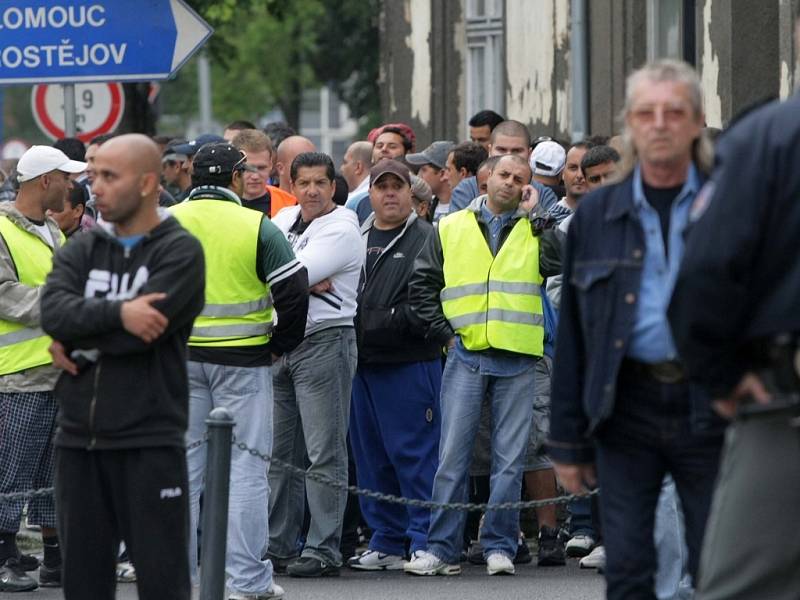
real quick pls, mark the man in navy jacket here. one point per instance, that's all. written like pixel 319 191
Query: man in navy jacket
pixel 620 397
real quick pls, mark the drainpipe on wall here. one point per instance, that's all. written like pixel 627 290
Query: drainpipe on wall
pixel 579 72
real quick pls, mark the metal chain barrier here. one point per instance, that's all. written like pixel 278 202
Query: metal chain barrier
pixel 463 506
pixel 43 492
pixel 352 489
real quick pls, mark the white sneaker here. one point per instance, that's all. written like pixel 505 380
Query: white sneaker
pixel 275 591
pixel 498 563
pixel 425 563
pixel 126 573
pixel 596 559
pixel 579 545
pixel 372 560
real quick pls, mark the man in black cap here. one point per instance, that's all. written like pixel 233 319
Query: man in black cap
pixel 250 268
pixel 176 163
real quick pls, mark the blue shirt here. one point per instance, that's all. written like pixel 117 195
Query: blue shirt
pixel 651 338
pixel 494 362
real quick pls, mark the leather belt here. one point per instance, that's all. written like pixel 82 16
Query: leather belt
pixel 670 371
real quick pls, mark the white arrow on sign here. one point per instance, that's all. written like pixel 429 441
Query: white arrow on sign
pixel 192 32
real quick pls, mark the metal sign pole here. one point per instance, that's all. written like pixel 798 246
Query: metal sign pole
pixel 69 109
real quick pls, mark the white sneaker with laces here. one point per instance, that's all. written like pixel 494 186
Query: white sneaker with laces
pixel 425 563
pixel 579 545
pixel 372 560
pixel 498 563
pixel 126 573
pixel 272 593
pixel 596 559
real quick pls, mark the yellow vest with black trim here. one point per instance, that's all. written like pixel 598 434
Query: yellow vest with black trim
pixel 492 301
pixel 238 309
pixel 24 347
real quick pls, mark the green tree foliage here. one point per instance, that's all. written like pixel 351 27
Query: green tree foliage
pixel 264 53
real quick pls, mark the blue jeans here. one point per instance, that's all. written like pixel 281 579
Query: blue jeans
pixel 463 390
pixel 647 436
pixel 672 580
pixel 247 393
pixel 394 433
pixel 312 409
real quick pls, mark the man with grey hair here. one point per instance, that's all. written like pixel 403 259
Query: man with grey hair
pixel 620 396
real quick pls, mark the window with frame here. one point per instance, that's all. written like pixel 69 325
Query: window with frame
pixel 485 56
pixel 671 30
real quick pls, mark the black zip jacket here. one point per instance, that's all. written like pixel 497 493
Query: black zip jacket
pixel 128 394
pixel 387 330
pixel 427 281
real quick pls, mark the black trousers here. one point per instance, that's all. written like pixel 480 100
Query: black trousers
pixel 649 435
pixel 137 495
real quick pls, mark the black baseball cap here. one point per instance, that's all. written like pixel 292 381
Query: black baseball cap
pixel 220 158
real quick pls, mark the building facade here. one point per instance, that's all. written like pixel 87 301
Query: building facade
pixel 560 65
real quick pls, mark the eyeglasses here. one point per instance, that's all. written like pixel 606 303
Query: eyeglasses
pixel 239 165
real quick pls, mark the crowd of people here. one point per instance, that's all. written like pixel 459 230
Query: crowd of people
pixel 484 320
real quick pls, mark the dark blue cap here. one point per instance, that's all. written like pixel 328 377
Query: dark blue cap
pixel 190 148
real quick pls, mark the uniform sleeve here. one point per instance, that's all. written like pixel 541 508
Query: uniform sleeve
pixel 709 309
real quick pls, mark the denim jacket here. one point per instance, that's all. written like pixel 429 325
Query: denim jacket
pixel 603 264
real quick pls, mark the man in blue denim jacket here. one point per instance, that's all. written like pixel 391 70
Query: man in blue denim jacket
pixel 620 398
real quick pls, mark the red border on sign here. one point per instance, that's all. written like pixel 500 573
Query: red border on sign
pixel 107 126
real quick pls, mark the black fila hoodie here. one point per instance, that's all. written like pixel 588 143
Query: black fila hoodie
pixel 128 394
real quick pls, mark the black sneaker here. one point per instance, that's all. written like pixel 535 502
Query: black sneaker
pixel 13 577
pixel 308 566
pixel 523 556
pixel 475 554
pixel 551 548
pixel 50 576
pixel 28 562
pixel 279 564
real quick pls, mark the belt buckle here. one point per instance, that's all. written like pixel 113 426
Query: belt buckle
pixel 667 372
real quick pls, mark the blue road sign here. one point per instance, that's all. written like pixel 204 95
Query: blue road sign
pixel 66 41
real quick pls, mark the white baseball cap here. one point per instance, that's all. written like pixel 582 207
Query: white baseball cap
pixel 548 158
pixel 39 160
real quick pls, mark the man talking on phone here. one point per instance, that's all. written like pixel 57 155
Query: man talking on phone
pixel 477 283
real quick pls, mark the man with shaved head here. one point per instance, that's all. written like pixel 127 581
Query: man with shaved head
pixel 288 150
pixel 119 305
pixel 355 169
pixel 477 285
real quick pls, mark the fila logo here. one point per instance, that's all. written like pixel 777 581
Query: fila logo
pixel 175 492
pixel 108 285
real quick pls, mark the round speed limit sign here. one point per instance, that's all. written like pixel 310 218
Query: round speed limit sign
pixel 98 107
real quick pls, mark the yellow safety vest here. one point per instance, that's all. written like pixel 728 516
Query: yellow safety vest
pixel 24 347
pixel 492 301
pixel 238 309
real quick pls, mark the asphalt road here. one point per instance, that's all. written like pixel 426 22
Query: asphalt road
pixel 530 583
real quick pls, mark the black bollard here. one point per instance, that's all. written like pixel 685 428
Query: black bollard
pixel 215 504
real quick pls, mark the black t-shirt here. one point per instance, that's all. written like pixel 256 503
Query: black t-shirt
pixel 377 240
pixel 262 204
pixel 661 199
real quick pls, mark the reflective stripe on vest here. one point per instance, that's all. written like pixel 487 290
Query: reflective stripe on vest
pixel 24 347
pixel 492 301
pixel 238 309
